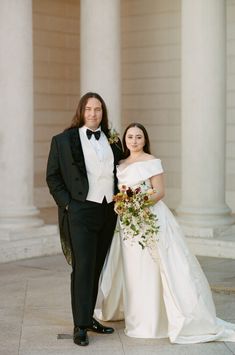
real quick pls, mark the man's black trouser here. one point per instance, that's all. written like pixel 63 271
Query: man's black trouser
pixel 91 228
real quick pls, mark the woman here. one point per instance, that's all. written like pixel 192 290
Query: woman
pixel 165 292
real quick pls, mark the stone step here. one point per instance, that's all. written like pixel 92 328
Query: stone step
pixel 45 240
pixel 11 235
pixel 221 247
pixel 31 243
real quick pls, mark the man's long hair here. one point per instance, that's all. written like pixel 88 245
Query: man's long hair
pixel 78 118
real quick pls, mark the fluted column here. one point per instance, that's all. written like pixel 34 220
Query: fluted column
pixel 203 114
pixel 16 131
pixel 100 53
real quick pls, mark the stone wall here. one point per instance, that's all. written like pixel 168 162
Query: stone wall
pixel 151 60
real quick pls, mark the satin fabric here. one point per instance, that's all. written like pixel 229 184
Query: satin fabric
pixel 161 292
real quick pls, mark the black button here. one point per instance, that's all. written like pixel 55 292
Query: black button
pixel 76 178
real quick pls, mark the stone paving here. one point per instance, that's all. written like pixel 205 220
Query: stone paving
pixel 35 313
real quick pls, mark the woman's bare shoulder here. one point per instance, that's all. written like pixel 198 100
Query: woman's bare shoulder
pixel 149 156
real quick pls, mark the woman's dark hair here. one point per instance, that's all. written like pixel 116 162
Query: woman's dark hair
pixel 78 118
pixel 146 147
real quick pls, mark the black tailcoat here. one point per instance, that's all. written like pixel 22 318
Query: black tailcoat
pixel 67 177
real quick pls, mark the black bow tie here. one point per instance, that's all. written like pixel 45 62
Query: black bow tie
pixel 96 134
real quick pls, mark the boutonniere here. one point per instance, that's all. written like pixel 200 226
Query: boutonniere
pixel 113 136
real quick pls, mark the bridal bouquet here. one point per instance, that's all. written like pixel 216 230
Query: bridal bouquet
pixel 139 224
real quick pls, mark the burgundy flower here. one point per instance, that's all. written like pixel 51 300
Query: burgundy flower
pixel 129 192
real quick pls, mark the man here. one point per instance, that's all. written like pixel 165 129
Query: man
pixel 81 175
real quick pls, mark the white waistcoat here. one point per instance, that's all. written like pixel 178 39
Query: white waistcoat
pixel 99 168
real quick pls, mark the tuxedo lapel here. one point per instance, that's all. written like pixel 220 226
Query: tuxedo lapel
pixel 118 155
pixel 117 152
pixel 76 149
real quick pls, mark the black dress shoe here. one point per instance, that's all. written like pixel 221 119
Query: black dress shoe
pixel 100 328
pixel 80 336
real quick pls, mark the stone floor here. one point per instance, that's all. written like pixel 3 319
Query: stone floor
pixel 35 315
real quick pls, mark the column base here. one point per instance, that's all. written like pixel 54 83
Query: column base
pixel 17 224
pixel 29 243
pixel 203 232
pixel 204 222
pixel 20 219
pixel 221 246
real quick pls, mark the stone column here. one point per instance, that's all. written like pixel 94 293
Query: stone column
pixel 203 116
pixel 16 101
pixel 100 53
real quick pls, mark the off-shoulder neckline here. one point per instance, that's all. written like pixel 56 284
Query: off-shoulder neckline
pixel 136 162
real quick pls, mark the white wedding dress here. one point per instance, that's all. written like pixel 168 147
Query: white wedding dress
pixel 160 292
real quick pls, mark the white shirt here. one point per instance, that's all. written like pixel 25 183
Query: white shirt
pixel 99 163
pixel 98 145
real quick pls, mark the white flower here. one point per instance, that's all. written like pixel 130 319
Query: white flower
pixel 113 136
